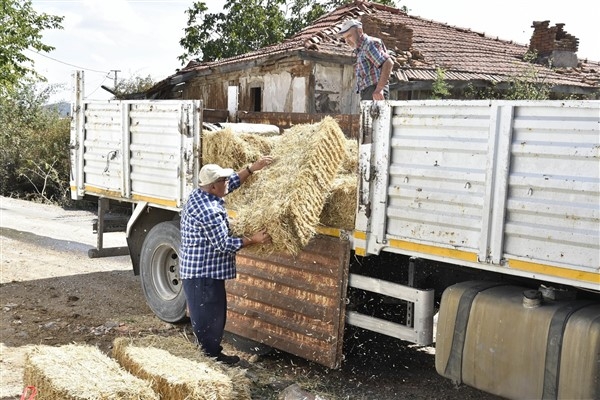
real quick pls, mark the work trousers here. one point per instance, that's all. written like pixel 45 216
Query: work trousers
pixel 367 93
pixel 207 307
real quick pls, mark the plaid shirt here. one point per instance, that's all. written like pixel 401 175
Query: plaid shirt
pixel 370 56
pixel 207 248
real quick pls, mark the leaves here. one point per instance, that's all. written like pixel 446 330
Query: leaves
pixel 247 25
pixel 21 28
pixel 128 88
pixel 35 146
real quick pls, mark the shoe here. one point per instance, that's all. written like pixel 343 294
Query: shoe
pixel 229 360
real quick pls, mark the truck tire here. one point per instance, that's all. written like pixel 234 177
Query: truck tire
pixel 159 271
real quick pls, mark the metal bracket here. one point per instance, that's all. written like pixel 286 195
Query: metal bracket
pixel 102 227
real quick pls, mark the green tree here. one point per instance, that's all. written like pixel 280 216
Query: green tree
pixel 20 29
pixel 440 88
pixel 247 25
pixel 529 85
pixel 35 146
pixel 129 88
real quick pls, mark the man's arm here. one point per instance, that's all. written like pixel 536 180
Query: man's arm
pixel 386 70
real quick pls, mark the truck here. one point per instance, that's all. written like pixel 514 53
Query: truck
pixel 476 219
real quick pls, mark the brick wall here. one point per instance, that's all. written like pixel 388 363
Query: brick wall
pixel 546 39
pixel 397 37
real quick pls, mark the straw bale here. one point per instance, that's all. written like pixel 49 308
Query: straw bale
pixel 339 210
pixel 287 197
pixel 178 369
pixel 77 372
pixel 350 161
pixel 233 150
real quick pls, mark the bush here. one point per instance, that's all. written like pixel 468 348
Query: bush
pixel 35 147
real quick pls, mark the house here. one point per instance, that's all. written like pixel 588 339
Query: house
pixel 312 72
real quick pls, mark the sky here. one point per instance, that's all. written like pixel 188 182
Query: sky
pixel 141 37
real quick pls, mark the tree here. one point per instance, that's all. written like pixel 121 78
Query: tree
pixel 130 88
pixel 440 89
pixel 247 25
pixel 20 29
pixel 35 146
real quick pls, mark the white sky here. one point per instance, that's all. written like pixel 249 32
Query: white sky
pixel 141 37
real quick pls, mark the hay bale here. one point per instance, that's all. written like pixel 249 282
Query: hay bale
pixel 233 150
pixel 287 197
pixel 350 161
pixel 339 210
pixel 75 372
pixel 178 369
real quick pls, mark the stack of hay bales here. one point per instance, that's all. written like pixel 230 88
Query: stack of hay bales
pixel 299 189
pixel 75 372
pixel 287 197
pixel 178 369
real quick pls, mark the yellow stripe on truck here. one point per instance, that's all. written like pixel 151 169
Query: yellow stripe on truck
pixel 560 272
pixel 434 250
pixel 117 195
pixel 154 200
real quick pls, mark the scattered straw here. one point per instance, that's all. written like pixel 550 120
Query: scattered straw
pixel 178 369
pixel 75 372
pixel 287 197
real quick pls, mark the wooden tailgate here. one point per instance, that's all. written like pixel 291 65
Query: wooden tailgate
pixel 295 304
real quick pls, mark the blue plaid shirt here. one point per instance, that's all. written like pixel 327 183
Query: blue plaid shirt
pixel 207 248
pixel 370 56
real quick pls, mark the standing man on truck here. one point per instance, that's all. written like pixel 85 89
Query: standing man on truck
pixel 207 253
pixel 373 63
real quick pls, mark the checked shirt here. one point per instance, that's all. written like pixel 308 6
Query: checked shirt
pixel 370 55
pixel 207 249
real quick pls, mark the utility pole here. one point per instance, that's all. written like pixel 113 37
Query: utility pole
pixel 115 79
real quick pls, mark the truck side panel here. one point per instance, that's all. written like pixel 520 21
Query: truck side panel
pixel 137 151
pixel 506 186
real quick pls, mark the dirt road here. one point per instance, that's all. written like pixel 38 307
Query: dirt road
pixel 52 293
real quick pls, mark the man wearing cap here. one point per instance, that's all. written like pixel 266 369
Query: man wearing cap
pixel 207 253
pixel 373 63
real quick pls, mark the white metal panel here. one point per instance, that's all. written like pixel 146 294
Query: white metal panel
pixel 156 149
pixel 141 149
pixel 488 184
pixel 103 146
pixel 437 173
pixel 553 208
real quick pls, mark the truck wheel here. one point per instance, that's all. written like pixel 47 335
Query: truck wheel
pixel 159 271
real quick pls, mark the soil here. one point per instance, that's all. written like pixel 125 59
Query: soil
pixel 52 293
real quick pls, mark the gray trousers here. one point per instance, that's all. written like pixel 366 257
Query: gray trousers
pixel 367 93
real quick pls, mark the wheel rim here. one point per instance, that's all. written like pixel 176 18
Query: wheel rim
pixel 165 272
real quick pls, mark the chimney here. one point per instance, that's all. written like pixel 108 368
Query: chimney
pixel 554 45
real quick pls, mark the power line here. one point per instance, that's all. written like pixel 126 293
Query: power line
pixel 66 63
pixel 98 87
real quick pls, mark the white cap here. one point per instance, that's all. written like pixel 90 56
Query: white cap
pixel 349 24
pixel 211 172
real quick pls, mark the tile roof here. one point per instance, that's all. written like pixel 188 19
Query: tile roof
pixel 465 55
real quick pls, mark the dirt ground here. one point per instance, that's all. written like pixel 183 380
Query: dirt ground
pixel 51 293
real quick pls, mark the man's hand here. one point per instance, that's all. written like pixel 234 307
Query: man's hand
pixel 260 237
pixel 378 95
pixel 260 164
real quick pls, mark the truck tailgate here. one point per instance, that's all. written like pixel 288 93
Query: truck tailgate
pixel 295 304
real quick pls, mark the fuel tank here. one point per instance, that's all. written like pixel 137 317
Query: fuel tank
pixel 517 343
